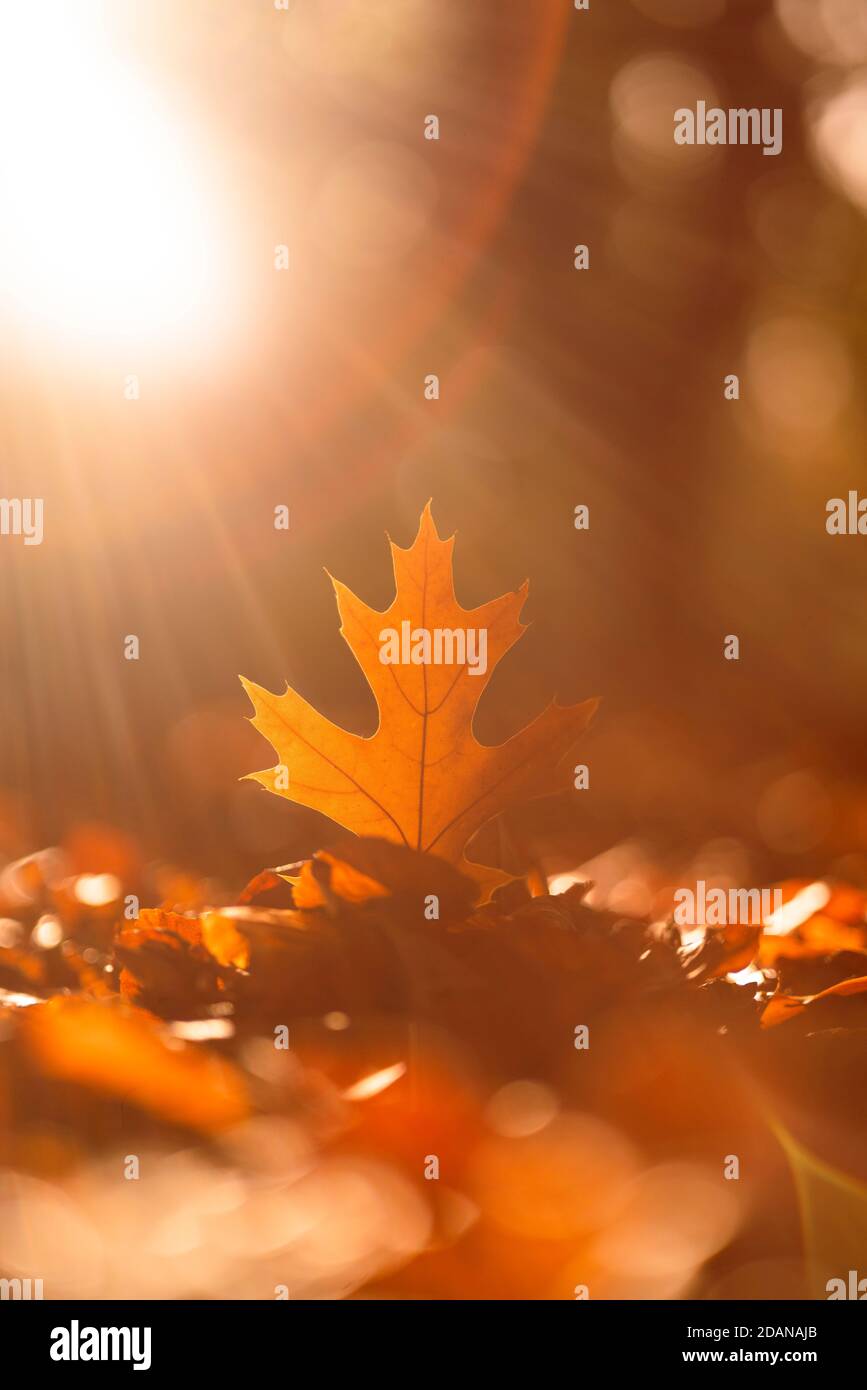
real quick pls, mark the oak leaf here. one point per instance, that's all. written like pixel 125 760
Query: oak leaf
pixel 422 779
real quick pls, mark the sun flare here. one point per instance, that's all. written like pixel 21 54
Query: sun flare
pixel 108 227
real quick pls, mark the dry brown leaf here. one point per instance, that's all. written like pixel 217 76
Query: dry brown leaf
pixel 122 1051
pixel 819 936
pixel 325 876
pixel 362 869
pixel 38 972
pixel 724 950
pixel 786 1006
pixel 268 889
pixel 222 938
pixel 422 780
pixel 165 965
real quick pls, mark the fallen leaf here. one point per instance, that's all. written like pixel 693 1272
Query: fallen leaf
pixel 32 970
pixel 724 950
pixel 270 888
pixel 786 1006
pixel 422 780
pixel 361 869
pixel 122 1051
pixel 222 938
pixel 818 918
pixel 819 936
pixel 165 965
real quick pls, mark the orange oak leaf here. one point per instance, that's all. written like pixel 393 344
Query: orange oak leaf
pixel 786 1006
pixel 422 780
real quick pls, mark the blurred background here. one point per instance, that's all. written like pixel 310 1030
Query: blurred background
pixel 154 158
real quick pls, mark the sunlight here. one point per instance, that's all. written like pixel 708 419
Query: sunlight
pixel 107 232
pixel 798 910
pixel 375 1083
